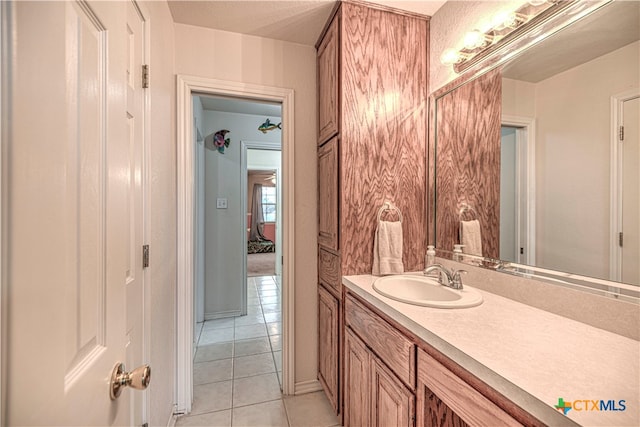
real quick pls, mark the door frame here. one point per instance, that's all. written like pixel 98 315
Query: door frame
pixel 5 19
pixel 615 211
pixel 187 86
pixel 526 184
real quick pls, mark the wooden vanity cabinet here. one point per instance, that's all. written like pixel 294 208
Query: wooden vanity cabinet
pixel 378 371
pixel 328 343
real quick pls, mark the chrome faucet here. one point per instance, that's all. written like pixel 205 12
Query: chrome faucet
pixel 448 278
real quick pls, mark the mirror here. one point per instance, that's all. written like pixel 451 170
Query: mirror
pixel 530 150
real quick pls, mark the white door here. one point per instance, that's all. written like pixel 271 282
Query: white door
pixel 631 192
pixel 73 208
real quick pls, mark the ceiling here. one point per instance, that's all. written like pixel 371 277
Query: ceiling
pixel 609 28
pixel 229 105
pixel 296 21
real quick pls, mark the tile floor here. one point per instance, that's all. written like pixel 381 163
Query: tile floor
pixel 238 368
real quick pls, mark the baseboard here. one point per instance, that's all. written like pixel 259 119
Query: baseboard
pixel 307 387
pixel 222 314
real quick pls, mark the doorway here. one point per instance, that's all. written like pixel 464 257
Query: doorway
pixel 517 190
pixel 187 87
pixel 625 191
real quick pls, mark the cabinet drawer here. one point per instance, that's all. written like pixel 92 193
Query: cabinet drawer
pixel 329 269
pixel 388 343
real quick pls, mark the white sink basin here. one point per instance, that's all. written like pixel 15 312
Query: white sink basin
pixel 426 291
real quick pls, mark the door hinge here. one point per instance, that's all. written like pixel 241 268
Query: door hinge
pixel 621 133
pixel 145 256
pixel 621 239
pixel 145 76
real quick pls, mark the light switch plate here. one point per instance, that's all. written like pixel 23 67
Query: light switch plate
pixel 221 203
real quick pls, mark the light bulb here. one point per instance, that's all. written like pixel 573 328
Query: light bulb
pixel 450 56
pixel 537 2
pixel 473 39
pixel 504 19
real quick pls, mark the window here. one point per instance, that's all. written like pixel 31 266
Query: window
pixel 269 204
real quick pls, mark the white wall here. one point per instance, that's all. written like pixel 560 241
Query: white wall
pixel 508 202
pixel 162 182
pixel 225 229
pixel 236 57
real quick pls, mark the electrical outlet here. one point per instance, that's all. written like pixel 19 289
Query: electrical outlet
pixel 221 203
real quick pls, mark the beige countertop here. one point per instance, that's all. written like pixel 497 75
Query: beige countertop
pixel 531 356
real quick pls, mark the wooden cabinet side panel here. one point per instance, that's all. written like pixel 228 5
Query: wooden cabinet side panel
pixel 392 404
pixel 328 194
pixel 383 131
pixel 432 412
pixel 328 84
pixel 468 168
pixel 328 348
pixel 357 388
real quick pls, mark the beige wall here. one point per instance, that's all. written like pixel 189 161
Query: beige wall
pixel 573 147
pixel 162 176
pixel 236 57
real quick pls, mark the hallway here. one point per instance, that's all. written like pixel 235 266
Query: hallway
pixel 238 370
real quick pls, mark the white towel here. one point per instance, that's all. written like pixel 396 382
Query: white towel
pixel 387 249
pixel 471 237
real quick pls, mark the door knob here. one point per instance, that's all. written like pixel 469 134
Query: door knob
pixel 138 378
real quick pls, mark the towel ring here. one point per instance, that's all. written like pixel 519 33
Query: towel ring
pixel 388 206
pixel 467 209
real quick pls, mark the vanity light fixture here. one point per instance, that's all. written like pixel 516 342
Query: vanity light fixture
pixel 505 26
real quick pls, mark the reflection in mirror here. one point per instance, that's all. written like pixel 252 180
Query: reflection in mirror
pixel 534 148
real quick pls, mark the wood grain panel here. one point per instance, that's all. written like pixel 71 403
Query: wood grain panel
pixel 328 350
pixel 329 269
pixel 432 412
pixel 463 400
pixel 385 341
pixel 357 404
pixel 392 404
pixel 383 131
pixel 328 86
pixel 467 159
pixel 328 194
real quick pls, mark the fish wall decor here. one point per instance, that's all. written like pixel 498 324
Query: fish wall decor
pixel 267 126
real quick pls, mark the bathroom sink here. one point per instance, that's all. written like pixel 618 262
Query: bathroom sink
pixel 426 291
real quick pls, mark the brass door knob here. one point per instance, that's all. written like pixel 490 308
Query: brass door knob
pixel 138 379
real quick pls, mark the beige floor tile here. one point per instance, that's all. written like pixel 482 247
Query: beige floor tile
pixel 268 414
pixel 312 409
pixel 209 372
pixel 213 336
pixel 211 419
pixel 274 328
pixel 257 364
pixel 276 342
pixel 272 317
pixel 250 319
pixel 250 390
pixel 277 357
pixel 268 292
pixel 207 353
pixel 227 322
pixel 270 300
pixel 271 308
pixel 211 397
pixel 252 346
pixel 250 331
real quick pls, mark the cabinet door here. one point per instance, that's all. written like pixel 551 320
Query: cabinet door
pixel 446 400
pixel 392 404
pixel 328 194
pixel 328 339
pixel 357 389
pixel 328 92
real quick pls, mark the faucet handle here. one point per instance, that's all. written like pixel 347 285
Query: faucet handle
pixel 456 278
